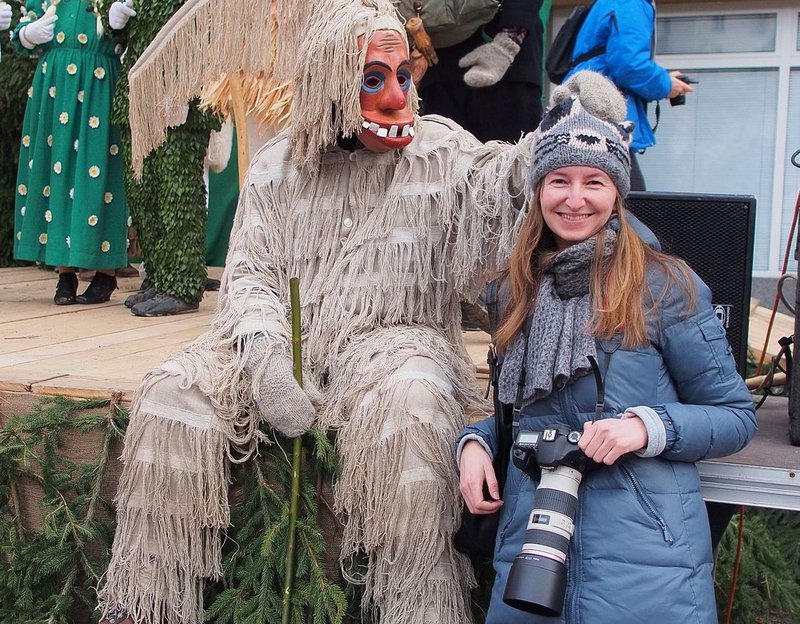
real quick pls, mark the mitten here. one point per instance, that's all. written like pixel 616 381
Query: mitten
pixel 279 398
pixel 5 16
pixel 119 14
pixel 40 31
pixel 489 62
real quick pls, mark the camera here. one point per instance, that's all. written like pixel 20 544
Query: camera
pixel 538 576
pixel 680 100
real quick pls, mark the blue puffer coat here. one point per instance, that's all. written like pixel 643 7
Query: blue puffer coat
pixel 625 28
pixel 641 551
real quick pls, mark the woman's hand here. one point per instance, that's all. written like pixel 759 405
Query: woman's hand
pixel 476 472
pixel 605 441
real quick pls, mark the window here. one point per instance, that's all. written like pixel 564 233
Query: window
pixel 716 34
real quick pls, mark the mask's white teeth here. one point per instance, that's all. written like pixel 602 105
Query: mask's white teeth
pixel 365 124
pixel 374 127
pixel 404 132
pixel 382 133
pixel 410 131
pixel 393 131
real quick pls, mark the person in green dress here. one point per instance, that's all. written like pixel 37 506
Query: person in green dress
pixel 70 208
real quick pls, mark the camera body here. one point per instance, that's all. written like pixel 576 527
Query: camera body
pixel 549 449
pixel 538 577
pixel 680 100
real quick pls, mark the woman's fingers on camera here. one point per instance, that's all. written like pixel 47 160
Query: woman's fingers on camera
pixel 605 441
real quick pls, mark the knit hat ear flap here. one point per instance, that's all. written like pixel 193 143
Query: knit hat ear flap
pixel 585 126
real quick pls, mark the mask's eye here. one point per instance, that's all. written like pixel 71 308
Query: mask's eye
pixel 373 82
pixel 404 79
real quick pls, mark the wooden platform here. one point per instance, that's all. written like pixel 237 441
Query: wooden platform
pixel 95 351
pixel 87 351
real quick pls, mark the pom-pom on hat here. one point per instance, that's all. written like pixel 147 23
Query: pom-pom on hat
pixel 585 126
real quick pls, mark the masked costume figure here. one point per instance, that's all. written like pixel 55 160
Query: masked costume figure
pixel 388 220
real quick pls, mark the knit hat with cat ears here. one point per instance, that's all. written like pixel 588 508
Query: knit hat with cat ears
pixel 585 126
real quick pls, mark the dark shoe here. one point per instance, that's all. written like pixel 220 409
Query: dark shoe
pixel 66 289
pixel 212 284
pixel 141 296
pixel 164 305
pixel 127 271
pixel 99 291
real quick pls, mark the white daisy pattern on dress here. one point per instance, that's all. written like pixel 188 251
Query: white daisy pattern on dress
pixel 48 216
pixel 52 92
pixel 92 220
pixel 43 238
pixel 94 122
pixel 60 37
pixel 105 246
pixel 114 149
pixel 63 118
pixel 57 166
pixel 46 191
pixel 99 73
pixel 108 198
pixel 82 38
pixel 22 190
pixel 72 69
pixel 94 171
pixel 26 140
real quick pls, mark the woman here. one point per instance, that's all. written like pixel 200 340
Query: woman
pixel 70 209
pixel 640 551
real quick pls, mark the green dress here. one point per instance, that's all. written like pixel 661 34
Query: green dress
pixel 70 207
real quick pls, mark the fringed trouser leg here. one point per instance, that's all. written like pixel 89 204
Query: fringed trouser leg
pixel 398 493
pixel 171 504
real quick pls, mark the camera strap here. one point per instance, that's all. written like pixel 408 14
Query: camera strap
pixel 521 381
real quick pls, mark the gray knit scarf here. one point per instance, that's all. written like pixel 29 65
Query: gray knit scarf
pixel 559 342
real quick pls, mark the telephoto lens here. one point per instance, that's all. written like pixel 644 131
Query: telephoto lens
pixel 538 577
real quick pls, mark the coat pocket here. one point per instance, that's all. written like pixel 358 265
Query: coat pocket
pixel 647 504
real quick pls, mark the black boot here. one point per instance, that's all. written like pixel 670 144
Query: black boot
pixel 66 289
pixel 99 291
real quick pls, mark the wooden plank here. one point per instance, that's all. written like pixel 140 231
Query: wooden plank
pixel 15 275
pixel 51 339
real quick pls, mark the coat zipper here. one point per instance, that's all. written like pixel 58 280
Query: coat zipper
pixel 648 506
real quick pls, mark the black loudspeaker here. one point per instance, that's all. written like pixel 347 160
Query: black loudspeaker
pixel 714 234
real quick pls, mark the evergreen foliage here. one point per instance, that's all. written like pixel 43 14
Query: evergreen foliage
pixel 49 576
pixel 254 555
pixel 16 75
pixel 768 584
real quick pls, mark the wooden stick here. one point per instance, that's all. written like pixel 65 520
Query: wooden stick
pixel 297 360
pixel 240 122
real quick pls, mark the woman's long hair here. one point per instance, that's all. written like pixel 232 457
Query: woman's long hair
pixel 618 283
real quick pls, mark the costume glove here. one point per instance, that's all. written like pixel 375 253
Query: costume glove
pixel 5 16
pixel 40 31
pixel 119 14
pixel 489 62
pixel 279 398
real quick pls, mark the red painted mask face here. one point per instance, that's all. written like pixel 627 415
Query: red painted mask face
pixel 387 119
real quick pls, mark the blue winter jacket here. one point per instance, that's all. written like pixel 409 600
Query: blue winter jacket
pixel 641 550
pixel 626 28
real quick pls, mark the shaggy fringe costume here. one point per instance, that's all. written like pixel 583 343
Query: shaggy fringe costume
pixel 385 245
